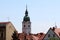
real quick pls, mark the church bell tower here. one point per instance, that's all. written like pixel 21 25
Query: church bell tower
pixel 26 24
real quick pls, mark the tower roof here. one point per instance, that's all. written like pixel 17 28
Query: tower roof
pixel 26 17
pixel 26 12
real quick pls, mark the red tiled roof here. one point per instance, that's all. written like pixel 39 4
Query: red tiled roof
pixel 32 36
pixel 57 31
pixel 41 36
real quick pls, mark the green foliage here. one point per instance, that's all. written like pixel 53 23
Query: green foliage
pixel 53 38
pixel 15 36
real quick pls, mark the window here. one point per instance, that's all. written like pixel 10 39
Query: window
pixel 1 35
pixel 24 25
pixel 53 35
pixel 23 32
pixel 48 35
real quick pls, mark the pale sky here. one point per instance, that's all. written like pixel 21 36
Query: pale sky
pixel 43 13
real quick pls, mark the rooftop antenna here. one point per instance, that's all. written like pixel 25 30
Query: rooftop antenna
pixel 55 25
pixel 8 19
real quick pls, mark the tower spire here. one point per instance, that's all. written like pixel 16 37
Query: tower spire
pixel 26 12
pixel 26 6
pixel 26 17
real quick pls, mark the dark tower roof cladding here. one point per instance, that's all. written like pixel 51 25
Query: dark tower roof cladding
pixel 26 17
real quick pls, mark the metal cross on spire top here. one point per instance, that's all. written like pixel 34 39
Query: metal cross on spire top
pixel 26 6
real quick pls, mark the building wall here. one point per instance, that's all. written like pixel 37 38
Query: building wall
pixel 9 31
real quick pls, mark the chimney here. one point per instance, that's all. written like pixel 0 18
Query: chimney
pixel 53 28
pixel 41 33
